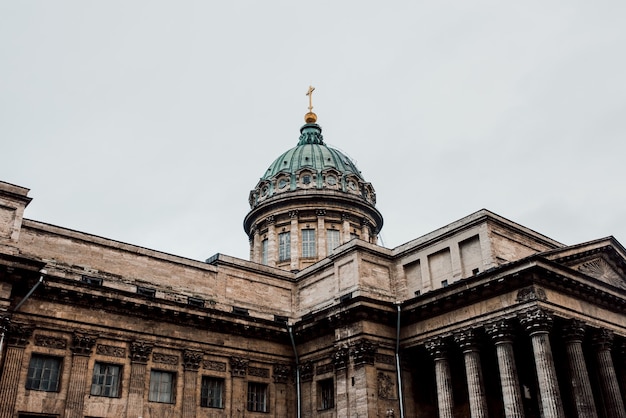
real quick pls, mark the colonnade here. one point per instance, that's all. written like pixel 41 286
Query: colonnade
pixel 537 324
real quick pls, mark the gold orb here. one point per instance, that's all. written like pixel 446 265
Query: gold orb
pixel 310 117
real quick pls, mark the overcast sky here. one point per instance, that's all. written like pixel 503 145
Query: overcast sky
pixel 149 122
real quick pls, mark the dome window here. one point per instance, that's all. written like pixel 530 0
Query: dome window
pixel 331 180
pixel 306 179
pixel 282 183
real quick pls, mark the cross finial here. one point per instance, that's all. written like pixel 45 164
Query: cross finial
pixel 310 94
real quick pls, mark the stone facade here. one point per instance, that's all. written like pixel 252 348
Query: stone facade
pixel 495 320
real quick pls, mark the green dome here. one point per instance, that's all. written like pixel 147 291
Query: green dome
pixel 312 165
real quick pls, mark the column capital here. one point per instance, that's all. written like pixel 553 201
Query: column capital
pixel 18 334
pixel 82 343
pixel 602 339
pixel 500 331
pixel 341 357
pixel 293 214
pixel 306 371
pixel 140 351
pixel 270 220
pixel 320 213
pixel 281 372
pixel 238 366
pixel 363 352
pixel 467 340
pixel 192 359
pixel 437 347
pixel 574 331
pixel 536 321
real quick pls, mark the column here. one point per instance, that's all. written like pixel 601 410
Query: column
pixel 573 334
pixel 345 218
pixel 82 345
pixel 439 351
pixel 16 338
pixel 295 241
pixel 365 227
pixel 191 364
pixel 272 245
pixel 255 245
pixel 502 335
pixel 538 324
pixel 321 234
pixel 467 340
pixel 602 343
pixel 139 354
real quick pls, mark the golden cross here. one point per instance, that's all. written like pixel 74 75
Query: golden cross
pixel 310 94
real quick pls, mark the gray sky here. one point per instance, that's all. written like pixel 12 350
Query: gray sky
pixel 150 121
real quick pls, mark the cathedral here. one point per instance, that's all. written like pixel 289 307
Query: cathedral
pixel 480 318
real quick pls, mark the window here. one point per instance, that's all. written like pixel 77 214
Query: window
pixel 161 387
pixel 444 283
pixel 257 397
pixel 212 392
pixel 306 179
pixel 146 291
pixel 326 394
pixel 106 380
pixel 332 239
pixel 193 301
pixel 44 373
pixel 94 281
pixel 284 246
pixel 308 243
pixel 264 252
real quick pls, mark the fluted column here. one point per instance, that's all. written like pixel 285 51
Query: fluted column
pixel 191 364
pixel 438 349
pixel 295 241
pixel 468 342
pixel 139 354
pixel 573 334
pixel 502 336
pixel 602 343
pixel 82 345
pixel 321 233
pixel 538 324
pixel 16 339
pixel 365 227
pixel 345 219
pixel 272 245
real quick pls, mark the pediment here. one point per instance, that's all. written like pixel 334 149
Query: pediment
pixel 600 269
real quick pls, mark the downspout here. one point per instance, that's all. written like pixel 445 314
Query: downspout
pixel 398 372
pixel 295 352
pixel 5 326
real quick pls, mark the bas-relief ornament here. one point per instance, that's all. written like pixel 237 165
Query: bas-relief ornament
pixel 281 373
pixel 192 359
pixel 386 386
pixel 110 350
pixel 531 293
pixel 238 366
pixel 599 269
pixel 217 366
pixel 18 334
pixel 324 368
pixel 385 359
pixel 140 351
pixel 258 372
pixel 306 371
pixel 165 359
pixel 82 343
pixel 363 352
pixel 50 342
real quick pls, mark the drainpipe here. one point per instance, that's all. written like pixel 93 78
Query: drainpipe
pixel 295 352
pixel 398 372
pixel 5 327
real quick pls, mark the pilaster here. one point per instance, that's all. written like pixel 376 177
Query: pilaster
pixel 139 353
pixel 191 364
pixel 17 337
pixel 81 347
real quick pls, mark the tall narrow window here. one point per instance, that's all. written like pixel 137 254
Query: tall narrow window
pixel 212 392
pixel 326 394
pixel 264 252
pixel 106 380
pixel 284 246
pixel 308 243
pixel 43 373
pixel 332 239
pixel 257 397
pixel 161 387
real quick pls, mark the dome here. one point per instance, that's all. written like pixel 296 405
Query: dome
pixel 311 165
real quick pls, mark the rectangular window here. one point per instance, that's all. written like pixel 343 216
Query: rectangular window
pixel 326 394
pixel 146 291
pixel 284 246
pixel 257 397
pixel 106 380
pixel 264 252
pixel 332 239
pixel 308 243
pixel 212 392
pixel 44 373
pixel 161 387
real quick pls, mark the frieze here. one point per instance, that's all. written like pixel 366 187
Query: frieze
pixel 50 342
pixel 385 359
pixel 281 373
pixel 530 294
pixel 386 386
pixel 324 368
pixel 110 350
pixel 217 366
pixel 258 372
pixel 165 358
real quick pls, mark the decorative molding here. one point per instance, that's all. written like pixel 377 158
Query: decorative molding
pixel 341 357
pixel 165 358
pixel 192 359
pixel 386 386
pixel 50 342
pixel 599 269
pixel 18 334
pixel 82 343
pixel 110 350
pixel 385 359
pixel 258 372
pixel 324 368
pixel 281 373
pixel 530 294
pixel 536 320
pixel 140 351
pixel 238 366
pixel 217 366
pixel 363 352
pixel 306 371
